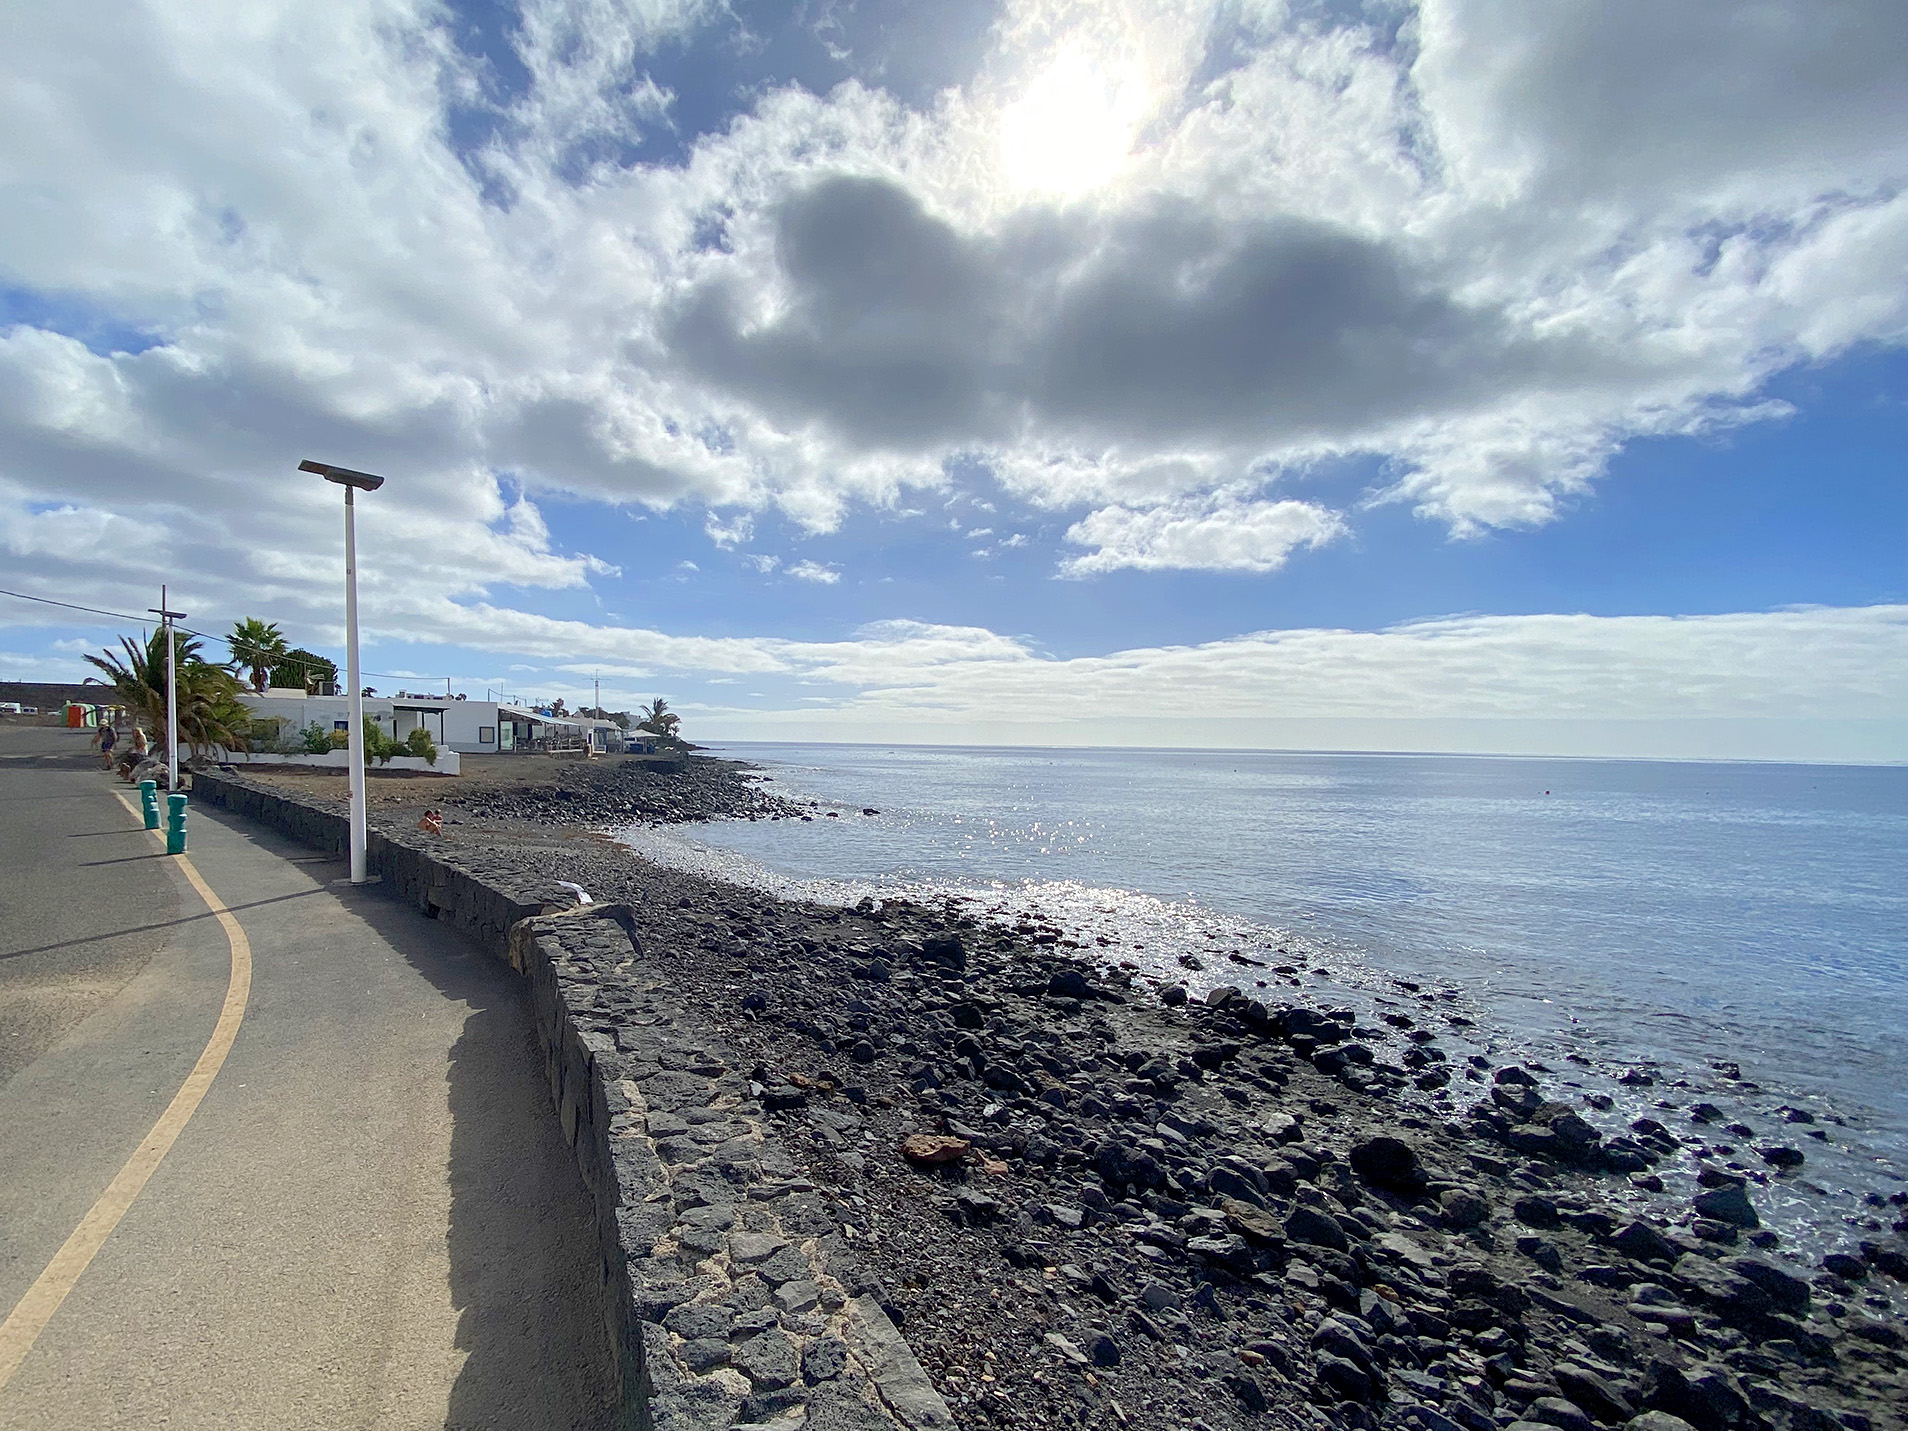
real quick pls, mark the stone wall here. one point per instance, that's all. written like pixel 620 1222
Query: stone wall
pixel 728 1290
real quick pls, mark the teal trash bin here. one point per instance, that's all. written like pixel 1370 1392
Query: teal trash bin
pixel 175 824
pixel 149 802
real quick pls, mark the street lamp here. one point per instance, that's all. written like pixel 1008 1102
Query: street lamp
pixel 166 618
pixel 352 482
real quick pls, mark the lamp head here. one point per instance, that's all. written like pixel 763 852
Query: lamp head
pixel 343 476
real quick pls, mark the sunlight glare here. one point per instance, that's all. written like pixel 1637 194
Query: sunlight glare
pixel 1072 130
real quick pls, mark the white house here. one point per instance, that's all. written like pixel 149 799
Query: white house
pixel 467 727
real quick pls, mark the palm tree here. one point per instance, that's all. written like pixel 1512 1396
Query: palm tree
pixel 659 720
pixel 210 711
pixel 259 646
pixel 305 669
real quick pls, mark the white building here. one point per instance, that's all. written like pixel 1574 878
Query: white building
pixel 467 727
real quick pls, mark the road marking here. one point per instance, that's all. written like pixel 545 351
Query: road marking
pixel 29 1318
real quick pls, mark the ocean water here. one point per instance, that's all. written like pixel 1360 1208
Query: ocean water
pixel 1630 913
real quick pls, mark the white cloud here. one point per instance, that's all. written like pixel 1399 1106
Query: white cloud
pixel 1491 254
pixel 815 572
pixel 1229 535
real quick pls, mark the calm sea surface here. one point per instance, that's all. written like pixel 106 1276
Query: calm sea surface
pixel 1626 911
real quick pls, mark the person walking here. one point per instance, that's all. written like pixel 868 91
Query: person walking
pixel 108 738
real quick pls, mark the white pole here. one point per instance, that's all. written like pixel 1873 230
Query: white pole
pixel 172 699
pixel 355 737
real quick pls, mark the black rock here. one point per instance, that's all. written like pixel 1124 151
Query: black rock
pixel 946 950
pixel 1316 1229
pixel 1781 1289
pixel 1728 1203
pixel 1704 1395
pixel 1104 1350
pixel 1245 1386
pixel 1070 984
pixel 1850 1268
pixel 1555 1411
pixel 1535 1211
pixel 1346 1379
pixel 1593 1392
pixel 1889 1257
pixel 1542 1251
pixel 1644 1243
pixel 1388 1162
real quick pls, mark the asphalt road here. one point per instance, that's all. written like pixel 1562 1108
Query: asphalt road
pixel 369 1221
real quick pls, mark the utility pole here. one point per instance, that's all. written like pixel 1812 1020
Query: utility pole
pixel 166 618
pixel 599 698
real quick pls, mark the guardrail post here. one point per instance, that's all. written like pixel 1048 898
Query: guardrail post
pixel 149 802
pixel 175 824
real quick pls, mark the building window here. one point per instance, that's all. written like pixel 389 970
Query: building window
pixel 486 734
pixel 343 725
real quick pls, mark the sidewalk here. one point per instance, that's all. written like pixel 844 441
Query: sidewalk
pixel 370 1220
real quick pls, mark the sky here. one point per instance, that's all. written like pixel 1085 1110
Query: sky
pixel 1455 375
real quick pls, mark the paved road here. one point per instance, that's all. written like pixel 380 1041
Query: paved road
pixel 369 1221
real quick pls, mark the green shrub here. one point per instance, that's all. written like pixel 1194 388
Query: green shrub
pixel 377 745
pixel 316 739
pixel 420 744
pixel 267 737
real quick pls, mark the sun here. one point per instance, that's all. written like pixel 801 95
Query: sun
pixel 1072 130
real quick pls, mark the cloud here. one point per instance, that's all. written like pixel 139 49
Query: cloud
pixel 1227 536
pixel 1491 246
pixel 1816 669
pixel 1479 244
pixel 815 572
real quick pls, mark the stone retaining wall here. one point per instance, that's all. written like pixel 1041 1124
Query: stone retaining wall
pixel 730 1295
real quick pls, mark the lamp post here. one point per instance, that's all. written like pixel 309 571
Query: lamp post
pixel 352 482
pixel 166 618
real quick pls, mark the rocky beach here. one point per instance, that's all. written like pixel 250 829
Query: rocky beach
pixel 1086 1197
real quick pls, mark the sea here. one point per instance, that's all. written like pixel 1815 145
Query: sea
pixel 1597 918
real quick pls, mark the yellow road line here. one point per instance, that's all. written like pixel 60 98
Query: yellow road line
pixel 29 1318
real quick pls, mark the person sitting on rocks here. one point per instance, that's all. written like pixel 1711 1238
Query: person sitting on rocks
pixel 137 753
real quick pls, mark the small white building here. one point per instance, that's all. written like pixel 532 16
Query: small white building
pixel 467 727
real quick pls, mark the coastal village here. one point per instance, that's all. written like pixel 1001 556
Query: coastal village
pixel 270 703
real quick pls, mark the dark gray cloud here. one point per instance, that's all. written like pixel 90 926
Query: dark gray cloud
pixel 1637 95
pixel 888 335
pixel 1139 327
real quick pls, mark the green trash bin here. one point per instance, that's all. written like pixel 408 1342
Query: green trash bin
pixel 175 824
pixel 149 802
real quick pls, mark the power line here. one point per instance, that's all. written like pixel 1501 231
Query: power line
pixel 224 641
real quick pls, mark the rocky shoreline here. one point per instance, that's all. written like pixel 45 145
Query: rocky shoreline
pixel 1087 1201
pixel 682 790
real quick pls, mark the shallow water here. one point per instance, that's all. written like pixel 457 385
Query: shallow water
pixel 1625 911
